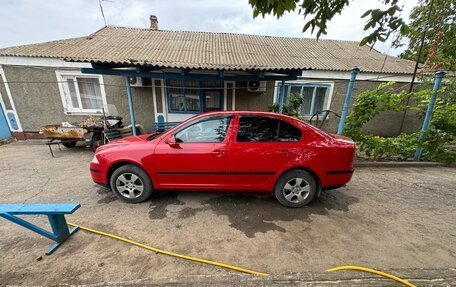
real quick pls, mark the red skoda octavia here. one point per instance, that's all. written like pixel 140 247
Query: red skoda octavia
pixel 230 151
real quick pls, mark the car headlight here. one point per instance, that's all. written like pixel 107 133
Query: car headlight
pixel 94 159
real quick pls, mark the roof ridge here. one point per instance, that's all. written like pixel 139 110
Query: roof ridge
pixel 225 33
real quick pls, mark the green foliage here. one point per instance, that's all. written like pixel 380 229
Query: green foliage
pixel 397 148
pixel 439 50
pixel 291 107
pixel 441 132
pixel 317 13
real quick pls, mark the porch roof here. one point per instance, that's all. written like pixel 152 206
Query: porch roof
pixel 213 51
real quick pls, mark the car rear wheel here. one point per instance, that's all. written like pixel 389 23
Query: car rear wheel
pixel 295 188
pixel 131 184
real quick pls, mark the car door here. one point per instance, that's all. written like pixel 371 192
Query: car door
pixel 262 147
pixel 195 155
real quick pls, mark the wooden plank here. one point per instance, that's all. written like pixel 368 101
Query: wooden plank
pixel 60 208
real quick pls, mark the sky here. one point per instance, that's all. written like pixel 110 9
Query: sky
pixel 31 21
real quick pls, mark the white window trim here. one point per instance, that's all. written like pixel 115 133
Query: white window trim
pixel 60 74
pixel 13 107
pixel 233 95
pixel 303 82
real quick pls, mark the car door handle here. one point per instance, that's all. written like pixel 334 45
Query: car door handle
pixel 218 152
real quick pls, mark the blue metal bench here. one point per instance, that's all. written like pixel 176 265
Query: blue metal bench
pixel 55 212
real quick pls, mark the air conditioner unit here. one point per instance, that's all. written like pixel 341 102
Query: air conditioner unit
pixel 136 82
pixel 256 86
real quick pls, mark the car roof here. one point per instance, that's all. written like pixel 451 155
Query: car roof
pixel 259 113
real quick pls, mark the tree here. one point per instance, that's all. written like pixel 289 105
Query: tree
pixel 317 13
pixel 439 50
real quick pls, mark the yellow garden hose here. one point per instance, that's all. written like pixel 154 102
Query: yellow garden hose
pixel 364 269
pixel 201 260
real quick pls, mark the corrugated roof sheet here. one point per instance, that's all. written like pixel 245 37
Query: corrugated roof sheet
pixel 205 50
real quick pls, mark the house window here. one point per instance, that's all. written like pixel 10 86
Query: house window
pixel 81 94
pixel 194 96
pixel 184 96
pixel 316 97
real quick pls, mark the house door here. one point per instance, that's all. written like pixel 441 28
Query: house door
pixel 212 100
pixel 4 129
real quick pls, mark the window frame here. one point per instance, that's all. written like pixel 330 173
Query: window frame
pixel 67 105
pixel 267 142
pixel 204 119
pixel 302 84
pixel 201 88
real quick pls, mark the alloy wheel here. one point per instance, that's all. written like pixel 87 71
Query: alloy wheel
pixel 129 185
pixel 296 190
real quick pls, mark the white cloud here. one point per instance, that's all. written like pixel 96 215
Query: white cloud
pixel 23 21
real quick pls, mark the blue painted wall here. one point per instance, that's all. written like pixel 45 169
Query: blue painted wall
pixel 4 129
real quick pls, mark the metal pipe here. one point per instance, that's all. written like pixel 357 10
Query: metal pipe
pixel 351 84
pixel 427 119
pixel 130 105
pixel 282 97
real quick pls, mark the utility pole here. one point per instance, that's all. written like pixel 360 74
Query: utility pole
pixel 420 51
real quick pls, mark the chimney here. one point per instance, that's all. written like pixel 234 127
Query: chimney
pixel 153 23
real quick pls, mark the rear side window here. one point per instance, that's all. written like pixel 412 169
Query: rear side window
pixel 265 129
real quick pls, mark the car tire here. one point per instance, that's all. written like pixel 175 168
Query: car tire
pixel 69 144
pixel 295 188
pixel 131 184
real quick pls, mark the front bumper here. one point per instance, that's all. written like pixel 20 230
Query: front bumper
pixel 98 174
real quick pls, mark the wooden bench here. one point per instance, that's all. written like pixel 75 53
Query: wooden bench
pixel 56 215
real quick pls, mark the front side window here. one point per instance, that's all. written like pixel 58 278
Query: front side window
pixel 265 129
pixel 184 96
pixel 210 130
pixel 82 94
pixel 316 97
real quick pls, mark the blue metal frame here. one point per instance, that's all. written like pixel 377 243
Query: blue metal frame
pixel 282 96
pixel 130 70
pixel 55 213
pixel 130 105
pixel 427 119
pixel 351 84
pixel 258 76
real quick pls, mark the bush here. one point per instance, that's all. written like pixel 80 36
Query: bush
pixel 441 132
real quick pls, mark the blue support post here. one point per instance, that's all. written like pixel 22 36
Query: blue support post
pixel 130 104
pixel 427 119
pixel 351 84
pixel 281 97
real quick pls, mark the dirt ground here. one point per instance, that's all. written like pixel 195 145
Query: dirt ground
pixel 401 220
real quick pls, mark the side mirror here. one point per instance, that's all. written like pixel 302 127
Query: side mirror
pixel 171 141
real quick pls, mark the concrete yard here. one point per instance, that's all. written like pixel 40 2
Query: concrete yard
pixel 402 220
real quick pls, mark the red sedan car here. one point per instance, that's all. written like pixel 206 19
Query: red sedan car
pixel 228 151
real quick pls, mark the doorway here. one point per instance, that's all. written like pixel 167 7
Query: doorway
pixel 212 100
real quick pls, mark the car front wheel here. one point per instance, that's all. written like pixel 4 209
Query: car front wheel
pixel 295 188
pixel 131 184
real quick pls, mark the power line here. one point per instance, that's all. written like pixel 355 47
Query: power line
pixel 102 12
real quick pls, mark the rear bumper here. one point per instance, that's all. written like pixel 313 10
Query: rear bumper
pixel 337 178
